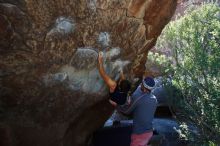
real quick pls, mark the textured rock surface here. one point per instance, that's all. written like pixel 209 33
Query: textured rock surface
pixel 50 91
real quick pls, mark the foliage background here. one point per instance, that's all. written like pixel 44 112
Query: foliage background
pixel 194 40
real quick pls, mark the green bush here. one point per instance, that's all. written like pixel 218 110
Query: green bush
pixel 195 43
pixel 159 61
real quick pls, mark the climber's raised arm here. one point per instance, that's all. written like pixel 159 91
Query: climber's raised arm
pixel 110 83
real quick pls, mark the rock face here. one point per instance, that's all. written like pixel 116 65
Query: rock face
pixel 50 91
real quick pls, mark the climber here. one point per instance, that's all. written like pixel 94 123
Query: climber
pixel 118 90
pixel 142 107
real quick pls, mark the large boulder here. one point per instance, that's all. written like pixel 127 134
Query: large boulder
pixel 51 93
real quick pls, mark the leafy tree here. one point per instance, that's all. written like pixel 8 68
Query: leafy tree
pixel 195 43
pixel 159 61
